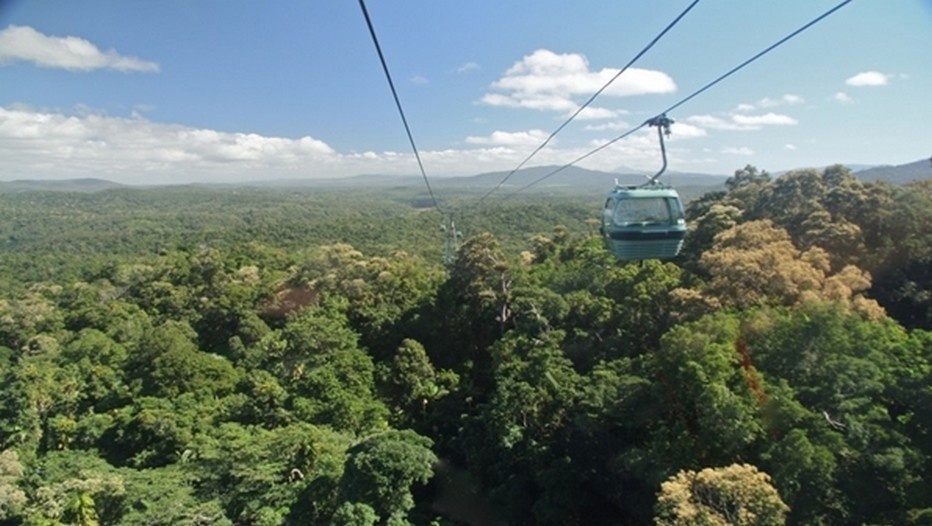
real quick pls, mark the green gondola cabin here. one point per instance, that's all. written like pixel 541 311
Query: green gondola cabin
pixel 643 223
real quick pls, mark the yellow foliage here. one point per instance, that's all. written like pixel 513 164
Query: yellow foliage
pixel 756 263
pixel 738 495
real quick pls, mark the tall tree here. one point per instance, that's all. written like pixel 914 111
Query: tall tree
pixel 381 471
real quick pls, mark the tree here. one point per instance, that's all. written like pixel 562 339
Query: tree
pixel 714 220
pixel 516 441
pixel 33 313
pixel 381 470
pixel 709 410
pixel 474 304
pixel 414 382
pixel 166 497
pixel 317 359
pixel 354 514
pixel 737 495
pixel 901 243
pixel 378 294
pixel 257 474
pixel 756 263
pixel 169 363
pixel 850 452
pixel 151 432
pixel 99 362
pixel 12 498
pixel 749 176
pixel 74 488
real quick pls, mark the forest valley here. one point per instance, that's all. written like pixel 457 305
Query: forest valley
pixel 244 356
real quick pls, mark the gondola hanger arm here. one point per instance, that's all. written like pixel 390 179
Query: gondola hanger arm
pixel 663 123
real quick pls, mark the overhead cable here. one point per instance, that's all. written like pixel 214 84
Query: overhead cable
pixel 591 99
pixel 401 111
pixel 689 97
pixel 757 56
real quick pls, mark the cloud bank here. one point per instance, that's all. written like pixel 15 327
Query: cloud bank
pixel 44 144
pixel 36 144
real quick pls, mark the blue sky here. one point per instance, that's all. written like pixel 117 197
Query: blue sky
pixel 181 91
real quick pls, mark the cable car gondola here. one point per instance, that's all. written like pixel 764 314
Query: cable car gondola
pixel 645 222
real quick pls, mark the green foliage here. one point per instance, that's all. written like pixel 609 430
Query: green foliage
pixel 413 382
pixel 12 498
pixel 354 514
pixel 710 411
pixel 381 470
pixel 212 356
pixel 165 497
pixel 317 359
pixel 168 363
pixel 880 229
pixel 846 372
pixel 378 293
pixel 257 474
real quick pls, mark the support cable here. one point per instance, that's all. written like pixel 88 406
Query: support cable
pixel 687 98
pixel 588 102
pixel 401 111
pixel 452 235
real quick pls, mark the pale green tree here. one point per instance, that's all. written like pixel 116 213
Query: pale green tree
pixel 736 495
pixel 12 498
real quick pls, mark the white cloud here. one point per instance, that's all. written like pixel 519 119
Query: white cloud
pixel 766 119
pixel 23 43
pixel 609 126
pixel 35 144
pixel 467 67
pixel 740 121
pixel 842 97
pixel 868 78
pixel 501 138
pixel 743 150
pixel 591 113
pixel 717 123
pixel 545 80
pixel 683 130
pixel 419 79
pixel 539 102
pixel 788 99
pixel 791 147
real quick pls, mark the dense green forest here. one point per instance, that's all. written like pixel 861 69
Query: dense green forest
pixel 241 356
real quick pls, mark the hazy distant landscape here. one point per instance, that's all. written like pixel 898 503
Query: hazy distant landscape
pixel 537 179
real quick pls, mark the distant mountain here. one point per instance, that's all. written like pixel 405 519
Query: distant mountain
pixel 859 167
pixel 572 177
pixel 543 178
pixel 899 174
pixel 537 179
pixel 894 174
pixel 58 185
pixel 367 180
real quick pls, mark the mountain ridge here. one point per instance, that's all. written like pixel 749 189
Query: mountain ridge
pixel 537 178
